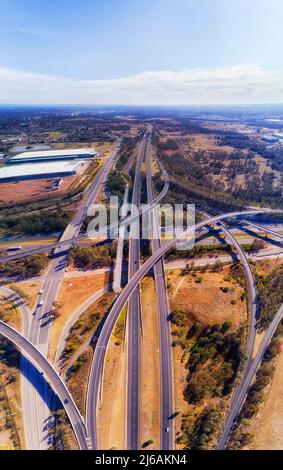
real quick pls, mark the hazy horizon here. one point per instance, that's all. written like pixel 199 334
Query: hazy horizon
pixel 141 53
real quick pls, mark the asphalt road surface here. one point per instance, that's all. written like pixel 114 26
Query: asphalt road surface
pixel 43 403
pixel 166 374
pixel 96 371
pixel 102 343
pixel 134 320
pixel 55 382
pixel 243 388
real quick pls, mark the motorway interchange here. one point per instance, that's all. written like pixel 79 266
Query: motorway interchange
pixel 34 340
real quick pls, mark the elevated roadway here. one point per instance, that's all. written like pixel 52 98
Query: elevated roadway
pixel 55 382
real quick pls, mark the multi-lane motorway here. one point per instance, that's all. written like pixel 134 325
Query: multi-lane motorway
pixel 51 375
pixel 252 290
pixel 243 388
pixel 134 318
pixel 95 377
pixel 39 328
pixel 41 321
pixel 166 375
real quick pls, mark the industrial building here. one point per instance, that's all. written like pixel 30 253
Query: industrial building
pixel 40 171
pixel 269 139
pixel 53 155
pixel 278 135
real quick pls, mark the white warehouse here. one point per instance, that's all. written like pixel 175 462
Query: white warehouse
pixel 40 171
pixel 53 155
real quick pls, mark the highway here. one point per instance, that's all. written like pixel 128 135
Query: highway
pixel 166 373
pixel 55 382
pixel 134 327
pixel 120 245
pixel 39 329
pixel 64 244
pixel 241 390
pixel 252 290
pixel 41 322
pixel 29 414
pixel 247 381
pixel 74 317
pixel 263 228
pixel 95 376
pixel 20 303
pixel 96 371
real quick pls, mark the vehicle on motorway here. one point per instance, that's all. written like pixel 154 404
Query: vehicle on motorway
pixel 167 429
pixel 40 304
pixel 14 248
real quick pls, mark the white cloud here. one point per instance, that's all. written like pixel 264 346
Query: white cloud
pixel 34 32
pixel 237 84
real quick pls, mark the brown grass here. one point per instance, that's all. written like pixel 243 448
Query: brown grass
pixel 29 290
pixel 73 292
pixel 11 315
pixel 205 301
pixel 23 191
pixel 180 382
pixel 268 429
pixel 207 304
pixel 112 409
pixel 265 267
pixel 150 371
pixel 207 143
pixel 77 383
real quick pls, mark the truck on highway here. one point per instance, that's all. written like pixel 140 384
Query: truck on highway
pixel 14 248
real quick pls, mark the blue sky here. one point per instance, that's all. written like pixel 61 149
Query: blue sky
pixel 141 52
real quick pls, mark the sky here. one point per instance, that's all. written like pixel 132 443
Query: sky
pixel 141 52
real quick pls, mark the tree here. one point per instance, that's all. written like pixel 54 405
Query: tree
pixel 257 245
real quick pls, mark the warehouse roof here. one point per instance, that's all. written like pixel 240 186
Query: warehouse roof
pixel 39 169
pixel 54 153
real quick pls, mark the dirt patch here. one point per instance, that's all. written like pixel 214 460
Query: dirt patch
pixel 207 143
pixel 83 330
pixel 105 148
pixel 78 380
pixel 112 408
pixel 12 434
pixel 29 290
pixel 180 381
pixel 263 167
pixel 73 292
pixel 150 371
pixel 263 268
pixel 33 190
pixel 258 339
pixel 269 430
pixel 9 313
pixel 203 297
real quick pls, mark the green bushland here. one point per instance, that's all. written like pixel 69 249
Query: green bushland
pixel 86 325
pixel 213 356
pixel 9 362
pixel 243 433
pixel 30 266
pixel 94 256
pixel 270 290
pixel 197 251
pixel 37 223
